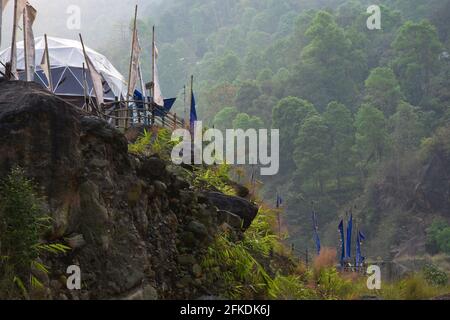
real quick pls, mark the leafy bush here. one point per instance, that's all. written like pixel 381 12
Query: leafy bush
pixel 158 142
pixel 331 285
pixel 434 276
pixel 438 237
pixel 216 177
pixel 238 267
pixel 233 265
pixel 22 222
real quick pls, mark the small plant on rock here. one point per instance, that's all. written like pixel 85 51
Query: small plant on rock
pixel 22 222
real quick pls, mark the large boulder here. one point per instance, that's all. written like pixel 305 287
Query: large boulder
pixel 241 207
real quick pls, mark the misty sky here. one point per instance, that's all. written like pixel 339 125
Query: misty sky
pixel 98 18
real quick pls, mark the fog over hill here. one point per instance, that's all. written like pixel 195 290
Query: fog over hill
pixel 99 18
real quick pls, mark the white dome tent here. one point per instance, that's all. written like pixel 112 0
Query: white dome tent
pixel 66 60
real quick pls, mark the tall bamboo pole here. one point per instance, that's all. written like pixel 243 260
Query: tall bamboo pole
pixel 190 99
pixel 132 50
pixel 153 64
pixel 13 45
pixel 184 105
pixel 152 87
pixel 133 38
pixel 25 41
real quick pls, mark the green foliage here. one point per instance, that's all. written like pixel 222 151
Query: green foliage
pixel 224 119
pixel 416 288
pixel 294 111
pixel 150 143
pixel 379 94
pixel 234 265
pixel 339 121
pixel 237 266
pixel 417 47
pixel 438 237
pixel 245 122
pixel 406 128
pixel 329 69
pixel 371 134
pixel 383 90
pixel 213 177
pixel 22 224
pixel 291 287
pixel 141 144
pixel 331 285
pixel 248 92
pixel 311 150
pixel 434 276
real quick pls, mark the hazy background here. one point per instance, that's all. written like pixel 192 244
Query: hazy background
pixel 98 19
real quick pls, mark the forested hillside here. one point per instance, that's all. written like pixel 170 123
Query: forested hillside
pixel 361 112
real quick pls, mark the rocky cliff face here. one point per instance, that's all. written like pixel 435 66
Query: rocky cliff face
pixel 137 229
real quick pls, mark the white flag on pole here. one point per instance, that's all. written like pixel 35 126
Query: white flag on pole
pixel 20 6
pixel 28 18
pixel 3 4
pixel 134 70
pixel 96 77
pixel 158 97
pixel 141 78
pixel 45 66
pixel 97 81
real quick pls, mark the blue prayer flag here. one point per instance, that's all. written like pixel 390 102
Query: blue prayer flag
pixel 349 237
pixel 193 114
pixel 359 258
pixel 279 200
pixel 341 231
pixel 316 232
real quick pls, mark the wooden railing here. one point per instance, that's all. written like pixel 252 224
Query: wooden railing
pixel 126 114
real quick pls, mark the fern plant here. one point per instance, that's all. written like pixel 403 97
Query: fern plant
pixel 22 222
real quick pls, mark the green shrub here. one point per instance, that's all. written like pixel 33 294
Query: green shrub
pixel 290 287
pixel 159 143
pixel 415 288
pixel 434 276
pixel 22 222
pixel 438 237
pixel 237 265
pixel 331 285
pixel 236 269
pixel 213 177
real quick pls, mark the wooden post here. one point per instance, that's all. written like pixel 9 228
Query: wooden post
pixel 86 100
pixel 116 114
pixel 89 67
pixel 152 87
pixel 153 64
pixel 184 106
pixel 14 45
pixel 25 40
pixel 175 122
pixel 132 51
pixel 279 223
pixel 153 114
pixel 124 113
pixel 307 257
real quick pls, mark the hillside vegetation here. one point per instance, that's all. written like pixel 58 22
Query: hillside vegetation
pixel 362 113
